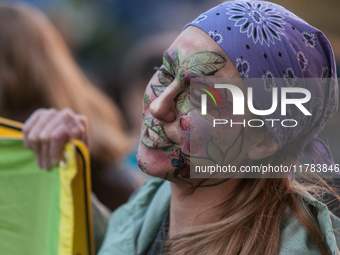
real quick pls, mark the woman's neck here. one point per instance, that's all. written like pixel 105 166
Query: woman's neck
pixel 196 207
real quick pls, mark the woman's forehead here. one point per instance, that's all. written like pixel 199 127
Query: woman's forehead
pixel 192 40
pixel 193 45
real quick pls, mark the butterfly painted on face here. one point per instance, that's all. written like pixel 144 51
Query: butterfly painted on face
pixel 182 166
pixel 185 124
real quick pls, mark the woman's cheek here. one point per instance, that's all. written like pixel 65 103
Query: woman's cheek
pixel 148 97
pixel 146 100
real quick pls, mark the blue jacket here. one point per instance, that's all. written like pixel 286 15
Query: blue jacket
pixel 133 226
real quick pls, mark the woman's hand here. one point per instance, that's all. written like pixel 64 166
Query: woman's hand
pixel 47 130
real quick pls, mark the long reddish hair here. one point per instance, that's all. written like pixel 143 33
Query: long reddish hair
pixel 37 70
pixel 252 218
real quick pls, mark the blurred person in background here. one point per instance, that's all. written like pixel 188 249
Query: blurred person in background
pixel 37 70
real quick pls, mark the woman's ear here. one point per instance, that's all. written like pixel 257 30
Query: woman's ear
pixel 264 147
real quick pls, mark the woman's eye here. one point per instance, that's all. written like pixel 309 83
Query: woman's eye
pixel 164 76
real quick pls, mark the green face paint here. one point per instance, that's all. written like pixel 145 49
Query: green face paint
pixel 146 100
pixel 204 63
pixel 165 149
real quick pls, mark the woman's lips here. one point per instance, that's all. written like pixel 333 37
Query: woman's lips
pixel 151 139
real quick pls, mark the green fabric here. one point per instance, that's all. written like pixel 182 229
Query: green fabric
pixel 133 226
pixel 29 203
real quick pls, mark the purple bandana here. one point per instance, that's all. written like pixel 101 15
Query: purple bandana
pixel 264 40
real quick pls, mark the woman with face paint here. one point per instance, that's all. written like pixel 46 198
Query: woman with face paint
pixel 187 215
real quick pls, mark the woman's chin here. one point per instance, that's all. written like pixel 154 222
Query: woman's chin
pixel 154 162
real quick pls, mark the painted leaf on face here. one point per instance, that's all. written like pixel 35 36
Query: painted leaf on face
pixel 167 64
pixel 158 89
pixel 234 150
pixel 183 103
pixel 206 63
pixel 159 130
pixel 149 122
pixel 173 61
pixel 177 56
pixel 214 152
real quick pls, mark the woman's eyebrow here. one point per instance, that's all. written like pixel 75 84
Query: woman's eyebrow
pixel 172 62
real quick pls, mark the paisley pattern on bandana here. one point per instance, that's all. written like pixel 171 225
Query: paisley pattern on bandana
pixel 290 77
pixel 303 61
pixel 269 81
pixel 261 22
pixel 201 18
pixel 242 67
pixel 216 37
pixel 309 39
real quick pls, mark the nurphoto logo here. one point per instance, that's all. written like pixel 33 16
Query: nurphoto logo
pixel 238 104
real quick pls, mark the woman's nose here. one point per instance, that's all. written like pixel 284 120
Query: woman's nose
pixel 164 106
